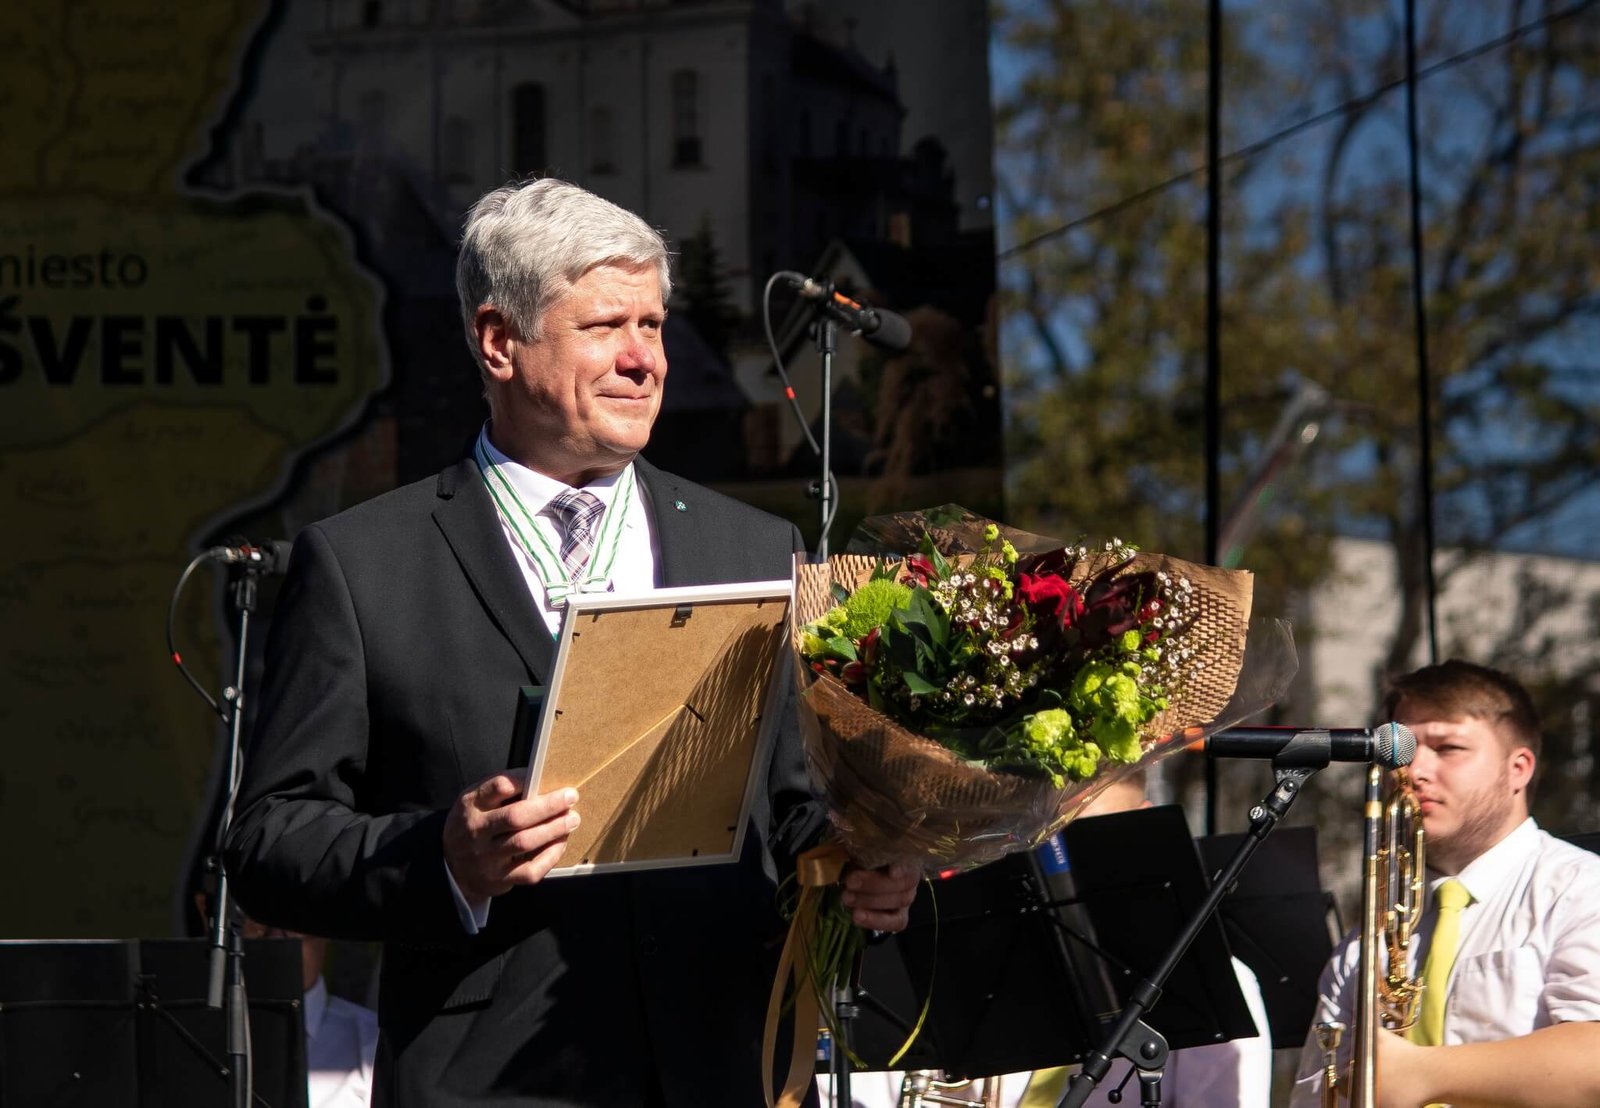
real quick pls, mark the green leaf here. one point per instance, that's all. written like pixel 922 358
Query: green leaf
pixel 925 611
pixel 841 648
pixel 875 698
pixel 899 646
pixel 931 552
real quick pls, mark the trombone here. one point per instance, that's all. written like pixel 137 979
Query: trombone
pixel 921 1087
pixel 1391 904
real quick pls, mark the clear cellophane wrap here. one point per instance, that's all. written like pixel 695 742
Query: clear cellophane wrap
pixel 894 796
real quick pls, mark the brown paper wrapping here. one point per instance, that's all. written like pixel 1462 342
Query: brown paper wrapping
pixel 895 796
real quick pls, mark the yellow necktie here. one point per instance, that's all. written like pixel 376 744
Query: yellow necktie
pixel 1046 1086
pixel 1452 896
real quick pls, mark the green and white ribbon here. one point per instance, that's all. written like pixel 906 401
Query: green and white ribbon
pixel 559 585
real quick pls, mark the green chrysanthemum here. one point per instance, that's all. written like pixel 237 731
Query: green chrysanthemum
pixel 1108 698
pixel 1049 730
pixel 870 605
pixel 812 645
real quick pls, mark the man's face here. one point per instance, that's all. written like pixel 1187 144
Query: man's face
pixel 1471 784
pixel 578 402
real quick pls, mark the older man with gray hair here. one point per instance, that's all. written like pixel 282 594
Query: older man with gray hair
pixel 377 802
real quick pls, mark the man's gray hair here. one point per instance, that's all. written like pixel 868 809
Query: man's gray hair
pixel 524 246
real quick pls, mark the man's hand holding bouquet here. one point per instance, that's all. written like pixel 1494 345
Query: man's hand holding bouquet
pixel 967 688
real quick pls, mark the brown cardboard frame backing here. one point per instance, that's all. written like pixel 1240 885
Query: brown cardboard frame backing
pixel 660 708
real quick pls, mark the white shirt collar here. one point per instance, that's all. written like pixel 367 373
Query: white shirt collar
pixel 1484 874
pixel 535 489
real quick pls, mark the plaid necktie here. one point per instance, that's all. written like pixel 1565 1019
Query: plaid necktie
pixel 1451 896
pixel 578 513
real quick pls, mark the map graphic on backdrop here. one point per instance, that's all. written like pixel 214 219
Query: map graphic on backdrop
pixel 165 355
pixel 226 303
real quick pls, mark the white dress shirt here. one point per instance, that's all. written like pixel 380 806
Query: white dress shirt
pixel 341 1043
pixel 1234 1074
pixel 633 572
pixel 1528 954
pixel 637 557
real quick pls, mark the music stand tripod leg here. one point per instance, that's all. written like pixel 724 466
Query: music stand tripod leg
pixel 1291 769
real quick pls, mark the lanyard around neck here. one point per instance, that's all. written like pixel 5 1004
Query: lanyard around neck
pixel 558 583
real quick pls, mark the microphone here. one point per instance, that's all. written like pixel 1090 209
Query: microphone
pixel 879 326
pixel 270 556
pixel 1392 745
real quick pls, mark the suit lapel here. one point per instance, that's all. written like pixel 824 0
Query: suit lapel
pixel 685 557
pixel 466 516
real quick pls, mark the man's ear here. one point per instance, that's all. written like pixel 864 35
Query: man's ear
pixel 1521 767
pixel 496 339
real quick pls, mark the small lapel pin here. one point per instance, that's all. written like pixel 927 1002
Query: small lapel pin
pixel 680 505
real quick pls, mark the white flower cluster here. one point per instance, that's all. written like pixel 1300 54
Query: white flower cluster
pixel 979 601
pixel 1174 609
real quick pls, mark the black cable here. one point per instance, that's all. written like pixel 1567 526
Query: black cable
pixel 788 391
pixel 777 358
pixel 1419 311
pixel 172 649
pixel 1264 144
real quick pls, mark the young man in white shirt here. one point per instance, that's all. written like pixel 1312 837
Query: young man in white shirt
pixel 1521 999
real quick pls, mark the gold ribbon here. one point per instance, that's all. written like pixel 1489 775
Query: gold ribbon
pixel 815 870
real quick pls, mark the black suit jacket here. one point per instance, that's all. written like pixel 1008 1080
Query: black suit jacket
pixel 401 635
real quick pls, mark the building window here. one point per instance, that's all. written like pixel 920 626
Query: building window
pixel 527 130
pixel 457 151
pixel 602 141
pixel 686 150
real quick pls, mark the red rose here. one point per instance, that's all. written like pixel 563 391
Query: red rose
pixel 1119 602
pixel 1051 597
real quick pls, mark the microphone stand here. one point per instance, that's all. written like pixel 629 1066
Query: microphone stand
pixel 225 977
pixel 845 1010
pixel 1131 1037
pixel 825 332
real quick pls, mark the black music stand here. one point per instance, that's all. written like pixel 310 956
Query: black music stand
pixel 1139 877
pixel 124 1024
pixel 1007 955
pixel 1276 920
pixel 68 1030
pixel 1002 993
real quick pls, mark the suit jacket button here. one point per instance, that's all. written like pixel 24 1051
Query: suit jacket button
pixel 647 945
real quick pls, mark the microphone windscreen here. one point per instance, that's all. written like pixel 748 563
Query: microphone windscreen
pixel 893 332
pixel 1395 745
pixel 278 551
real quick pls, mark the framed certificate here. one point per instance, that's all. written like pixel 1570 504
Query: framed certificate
pixel 660 710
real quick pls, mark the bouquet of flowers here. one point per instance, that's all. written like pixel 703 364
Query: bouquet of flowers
pixel 966 688
pixel 967 699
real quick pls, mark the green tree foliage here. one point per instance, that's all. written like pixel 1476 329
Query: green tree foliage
pixel 703 290
pixel 1106 397
pixel 1101 111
